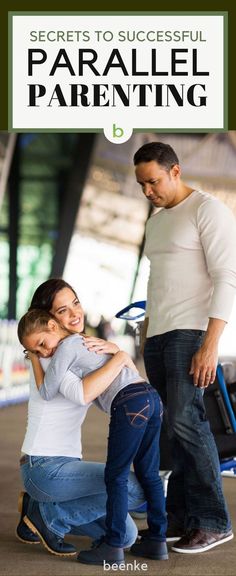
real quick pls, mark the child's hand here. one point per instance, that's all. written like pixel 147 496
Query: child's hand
pixel 99 345
pixel 29 355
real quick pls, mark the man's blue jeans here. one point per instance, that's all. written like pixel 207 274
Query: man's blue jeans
pixel 72 495
pixel 135 424
pixel 194 497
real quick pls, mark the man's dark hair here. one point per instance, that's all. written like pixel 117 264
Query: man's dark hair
pixel 157 151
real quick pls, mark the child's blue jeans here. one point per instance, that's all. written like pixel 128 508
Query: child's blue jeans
pixel 135 424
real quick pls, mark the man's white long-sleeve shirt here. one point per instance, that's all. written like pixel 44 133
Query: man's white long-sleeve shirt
pixel 192 253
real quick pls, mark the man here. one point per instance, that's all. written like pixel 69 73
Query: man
pixel 191 245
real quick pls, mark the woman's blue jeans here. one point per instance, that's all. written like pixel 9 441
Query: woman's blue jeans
pixel 135 424
pixel 72 495
pixel 194 496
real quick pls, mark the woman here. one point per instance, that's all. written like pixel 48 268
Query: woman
pixel 67 494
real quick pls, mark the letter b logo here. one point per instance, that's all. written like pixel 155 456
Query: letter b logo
pixel 117 132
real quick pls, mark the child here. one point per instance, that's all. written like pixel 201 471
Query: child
pixel 135 422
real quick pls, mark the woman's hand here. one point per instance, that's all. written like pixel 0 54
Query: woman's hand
pixel 99 345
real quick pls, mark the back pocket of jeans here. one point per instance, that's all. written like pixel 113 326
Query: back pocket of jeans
pixel 138 419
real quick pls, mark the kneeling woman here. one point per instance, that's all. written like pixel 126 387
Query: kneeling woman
pixel 64 493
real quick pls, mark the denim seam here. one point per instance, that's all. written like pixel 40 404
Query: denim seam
pixel 49 527
pixel 134 415
pixel 29 481
pixel 202 440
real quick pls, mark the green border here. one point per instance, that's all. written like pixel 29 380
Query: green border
pixel 226 70
pixel 132 13
pixel 117 13
pixel 10 72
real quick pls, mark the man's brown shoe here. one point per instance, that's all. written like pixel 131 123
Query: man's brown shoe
pixel 201 540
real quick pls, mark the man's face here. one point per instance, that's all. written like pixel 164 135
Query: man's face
pixel 158 184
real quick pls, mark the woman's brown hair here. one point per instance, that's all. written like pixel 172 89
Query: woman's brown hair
pixel 45 293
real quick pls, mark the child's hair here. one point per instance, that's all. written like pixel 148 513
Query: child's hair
pixel 33 321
